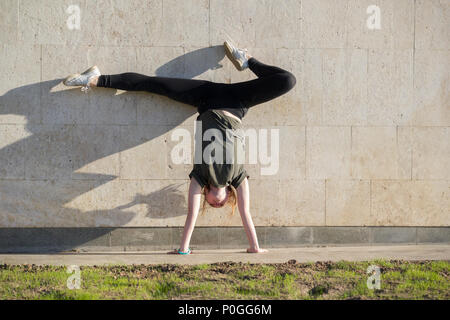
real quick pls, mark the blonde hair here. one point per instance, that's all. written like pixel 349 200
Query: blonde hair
pixel 232 199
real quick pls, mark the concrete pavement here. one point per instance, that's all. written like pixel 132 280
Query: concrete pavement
pixel 275 255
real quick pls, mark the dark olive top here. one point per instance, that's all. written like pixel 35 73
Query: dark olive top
pixel 228 136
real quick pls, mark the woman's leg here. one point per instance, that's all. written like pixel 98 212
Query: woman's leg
pixel 189 91
pixel 272 82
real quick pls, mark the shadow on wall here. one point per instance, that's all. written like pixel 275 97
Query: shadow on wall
pixel 49 157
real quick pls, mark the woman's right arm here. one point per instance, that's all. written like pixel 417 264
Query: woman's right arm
pixel 243 193
pixel 194 199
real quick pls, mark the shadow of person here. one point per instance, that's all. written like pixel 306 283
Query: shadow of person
pixel 65 130
pixel 158 201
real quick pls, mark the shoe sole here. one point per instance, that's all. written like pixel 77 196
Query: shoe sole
pixel 72 76
pixel 229 53
pixel 90 69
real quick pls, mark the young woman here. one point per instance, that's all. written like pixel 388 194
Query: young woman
pixel 221 106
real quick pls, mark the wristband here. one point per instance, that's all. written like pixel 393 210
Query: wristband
pixel 181 252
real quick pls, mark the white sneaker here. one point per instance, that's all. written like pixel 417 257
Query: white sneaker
pixel 82 79
pixel 236 55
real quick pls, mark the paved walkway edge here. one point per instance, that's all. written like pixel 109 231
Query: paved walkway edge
pixel 278 255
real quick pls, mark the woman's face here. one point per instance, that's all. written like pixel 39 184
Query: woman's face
pixel 217 197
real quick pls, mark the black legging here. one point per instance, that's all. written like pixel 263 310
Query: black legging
pixel 272 82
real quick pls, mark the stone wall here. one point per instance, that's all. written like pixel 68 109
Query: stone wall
pixel 364 135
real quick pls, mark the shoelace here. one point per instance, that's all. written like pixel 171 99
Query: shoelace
pixel 242 50
pixel 85 89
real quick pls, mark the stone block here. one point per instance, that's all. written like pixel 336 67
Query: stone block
pixel 189 23
pixel 20 88
pixel 163 203
pixel 390 86
pixel 431 153
pixel 241 28
pixel 410 203
pixel 312 82
pixel 431 88
pixel 95 152
pixel 290 109
pixel 405 146
pixel 394 235
pixel 265 201
pixel 28 21
pixel 131 239
pixel 377 155
pixel 396 24
pixel 114 203
pixel 278 24
pixel 322 24
pixel 287 236
pixel 302 203
pixel 348 203
pixel 341 235
pixel 12 151
pixel 49 152
pixel 328 151
pixel 431 29
pixel 9 21
pixel 292 153
pixel 433 235
pixel 344 76
pixel 143 154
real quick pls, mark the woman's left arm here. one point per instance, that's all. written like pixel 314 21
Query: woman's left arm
pixel 243 194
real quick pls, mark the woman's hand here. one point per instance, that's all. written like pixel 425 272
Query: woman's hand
pixel 257 250
pixel 243 194
pixel 175 251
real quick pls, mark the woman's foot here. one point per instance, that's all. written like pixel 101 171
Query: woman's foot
pixel 86 79
pixel 239 57
pixel 258 250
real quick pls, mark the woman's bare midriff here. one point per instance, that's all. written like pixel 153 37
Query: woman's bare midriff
pixel 230 115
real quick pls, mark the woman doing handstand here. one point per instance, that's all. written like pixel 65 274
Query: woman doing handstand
pixel 221 106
